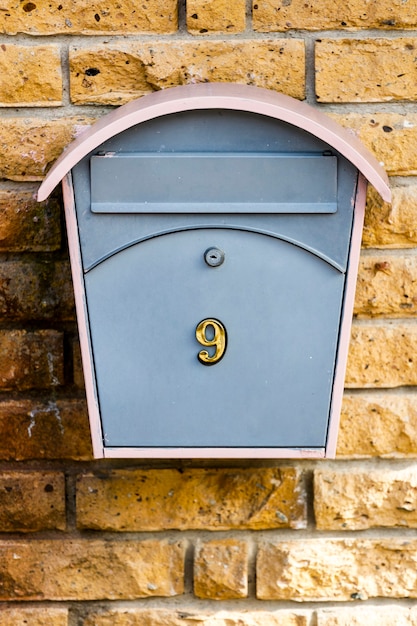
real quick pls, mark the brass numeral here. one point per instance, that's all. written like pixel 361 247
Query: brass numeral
pixel 212 334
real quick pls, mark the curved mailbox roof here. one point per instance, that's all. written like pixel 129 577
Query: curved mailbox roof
pixel 219 96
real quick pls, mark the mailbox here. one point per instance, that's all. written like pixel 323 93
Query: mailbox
pixel 214 235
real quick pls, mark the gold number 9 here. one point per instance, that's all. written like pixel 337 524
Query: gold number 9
pixel 212 334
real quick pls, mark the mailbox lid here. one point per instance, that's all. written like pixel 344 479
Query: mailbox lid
pixel 281 308
pixel 213 182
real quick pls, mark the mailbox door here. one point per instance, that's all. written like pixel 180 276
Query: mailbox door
pixel 271 388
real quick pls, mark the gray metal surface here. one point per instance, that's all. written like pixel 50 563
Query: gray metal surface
pixel 280 306
pixel 213 183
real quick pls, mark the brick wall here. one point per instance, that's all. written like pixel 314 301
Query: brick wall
pixel 188 543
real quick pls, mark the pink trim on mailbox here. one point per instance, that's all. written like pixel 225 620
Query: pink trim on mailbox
pixel 345 330
pixel 220 96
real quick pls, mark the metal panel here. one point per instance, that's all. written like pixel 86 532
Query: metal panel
pixel 213 183
pixel 281 308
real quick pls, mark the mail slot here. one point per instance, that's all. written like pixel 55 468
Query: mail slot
pixel 214 236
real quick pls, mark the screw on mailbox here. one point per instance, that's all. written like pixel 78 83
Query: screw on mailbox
pixel 214 257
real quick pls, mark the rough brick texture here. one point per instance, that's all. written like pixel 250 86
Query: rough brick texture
pixel 382 356
pixel 160 617
pixel 355 500
pixel 374 616
pixel 34 617
pixel 89 17
pixel 21 512
pixel 53 429
pixel 115 75
pixel 26 225
pixel 374 70
pixel 281 15
pixel 90 570
pixel 29 146
pixel 216 16
pixel 35 74
pixel 337 570
pixel 386 286
pixel 391 225
pixel 31 360
pixel 221 569
pixel 219 499
pixel 378 424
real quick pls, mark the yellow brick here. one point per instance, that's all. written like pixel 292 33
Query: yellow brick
pixel 31 429
pixel 386 286
pixel 390 136
pixel 221 569
pixel 378 424
pixel 165 617
pixel 32 501
pixel 34 617
pixel 216 499
pixel 27 225
pixel 115 75
pixel 28 147
pixel 370 70
pixel 357 499
pixel 89 17
pixel 337 570
pixel 31 359
pixel 30 76
pixel 391 225
pixel 382 356
pixel 216 16
pixel 90 570
pixel 376 616
pixel 282 15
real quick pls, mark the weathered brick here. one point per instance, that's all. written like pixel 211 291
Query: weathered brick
pixel 34 72
pixel 165 617
pixel 378 424
pixel 391 225
pixel 390 136
pixel 382 356
pixel 89 17
pixel 28 147
pixel 36 290
pixel 90 570
pixel 282 15
pixel 31 360
pixel 78 372
pixel 357 499
pixel 34 617
pixel 389 615
pixel 221 569
pixel 27 225
pixel 32 501
pixel 216 16
pixel 386 286
pixel 123 73
pixel 337 570
pixel 211 499
pixel 51 430
pixel 369 70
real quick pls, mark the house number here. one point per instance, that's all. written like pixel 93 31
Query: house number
pixel 212 334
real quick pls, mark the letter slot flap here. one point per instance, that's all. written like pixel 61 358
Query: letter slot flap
pixel 183 183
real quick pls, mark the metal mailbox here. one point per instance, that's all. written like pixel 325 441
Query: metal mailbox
pixel 214 235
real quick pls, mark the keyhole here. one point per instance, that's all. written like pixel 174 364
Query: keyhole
pixel 214 257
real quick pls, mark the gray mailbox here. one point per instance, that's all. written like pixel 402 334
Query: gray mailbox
pixel 214 235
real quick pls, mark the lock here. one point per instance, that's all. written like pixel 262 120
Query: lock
pixel 214 257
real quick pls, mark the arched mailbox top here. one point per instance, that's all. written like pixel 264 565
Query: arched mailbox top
pixel 220 96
